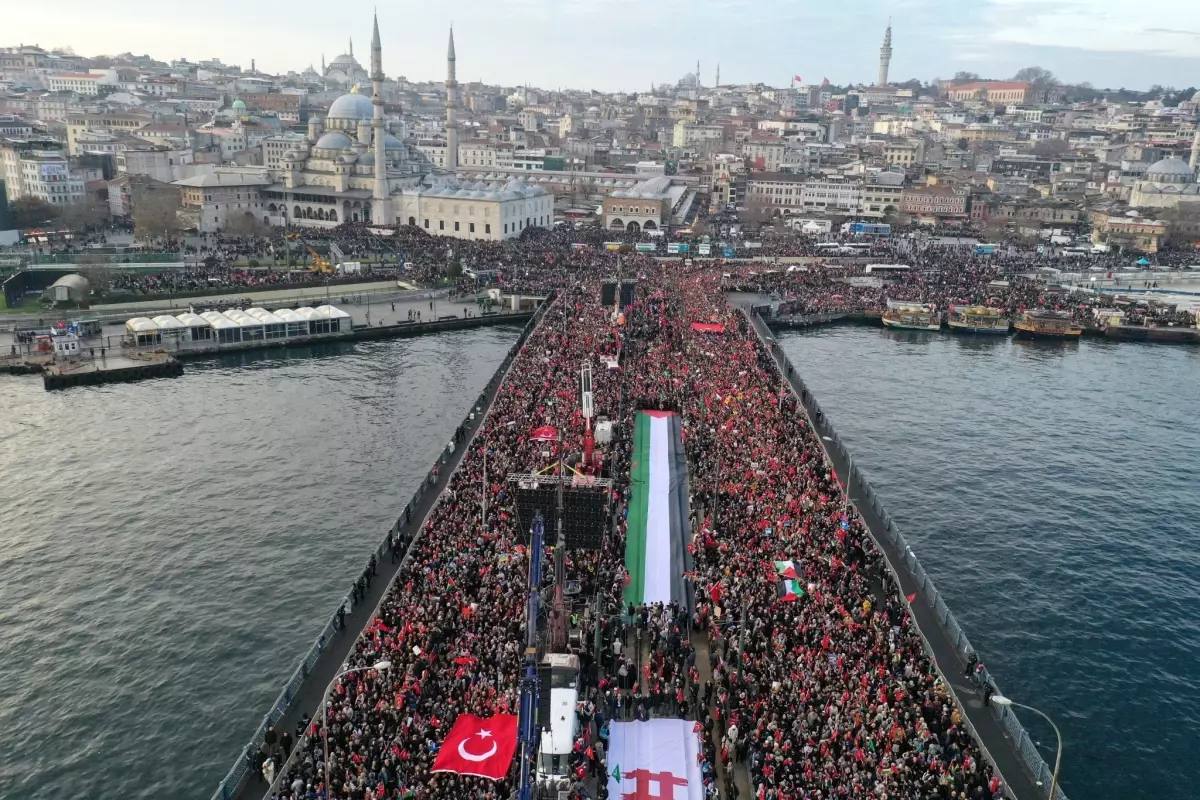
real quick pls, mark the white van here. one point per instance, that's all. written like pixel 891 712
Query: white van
pixel 558 734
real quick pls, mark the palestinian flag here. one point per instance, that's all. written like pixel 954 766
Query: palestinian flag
pixel 786 569
pixel 655 548
pixel 790 590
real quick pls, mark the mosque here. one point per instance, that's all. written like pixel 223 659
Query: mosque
pixel 355 166
pixel 344 71
pixel 1169 183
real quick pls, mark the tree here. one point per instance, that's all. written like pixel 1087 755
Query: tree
pixel 965 77
pixel 84 215
pixel 1051 147
pixel 154 220
pixel 246 225
pixel 31 212
pixel 1036 75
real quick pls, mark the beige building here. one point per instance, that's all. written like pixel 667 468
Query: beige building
pixel 882 191
pixel 993 91
pixel 904 154
pixel 81 83
pixel 689 134
pixel 1129 233
pixel 111 121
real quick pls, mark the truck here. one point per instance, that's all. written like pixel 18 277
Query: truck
pixel 349 268
pixel 558 732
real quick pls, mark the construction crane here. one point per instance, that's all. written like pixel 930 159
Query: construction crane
pixel 320 264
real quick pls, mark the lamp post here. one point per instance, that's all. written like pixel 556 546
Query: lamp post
pixel 1001 700
pixel 379 666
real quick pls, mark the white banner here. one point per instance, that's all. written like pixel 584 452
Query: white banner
pixel 654 760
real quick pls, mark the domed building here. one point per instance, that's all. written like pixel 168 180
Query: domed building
pixel 1168 183
pixel 354 166
pixel 344 71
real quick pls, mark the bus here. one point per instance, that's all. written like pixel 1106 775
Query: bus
pixel 558 733
pixel 886 269
pixel 827 247
pixel 851 248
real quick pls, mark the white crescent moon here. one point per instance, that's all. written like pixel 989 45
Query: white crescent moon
pixel 462 751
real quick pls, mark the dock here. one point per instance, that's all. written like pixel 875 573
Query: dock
pixel 126 364
pixel 109 369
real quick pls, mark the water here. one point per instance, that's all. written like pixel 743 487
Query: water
pixel 1050 491
pixel 169 549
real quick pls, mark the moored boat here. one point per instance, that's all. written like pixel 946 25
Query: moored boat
pixel 1045 324
pixel 911 316
pixel 978 319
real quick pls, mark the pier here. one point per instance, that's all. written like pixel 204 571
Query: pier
pixel 1004 741
pixel 306 687
pixel 119 364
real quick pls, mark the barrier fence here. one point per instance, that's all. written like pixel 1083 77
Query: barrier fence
pixel 283 703
pixel 861 492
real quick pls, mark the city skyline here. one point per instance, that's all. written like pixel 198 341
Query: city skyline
pixel 764 42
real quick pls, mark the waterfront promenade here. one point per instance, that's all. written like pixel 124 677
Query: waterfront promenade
pixel 927 607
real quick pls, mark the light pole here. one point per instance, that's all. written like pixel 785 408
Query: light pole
pixel 380 666
pixel 1001 700
pixel 849 472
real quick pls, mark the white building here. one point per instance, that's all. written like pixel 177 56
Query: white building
pixel 1169 183
pixel 83 83
pixel 479 210
pixel 276 147
pixel 209 202
pixel 41 174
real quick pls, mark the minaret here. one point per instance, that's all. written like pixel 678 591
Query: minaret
pixel 352 47
pixel 381 211
pixel 697 73
pixel 451 109
pixel 1195 160
pixel 718 74
pixel 885 56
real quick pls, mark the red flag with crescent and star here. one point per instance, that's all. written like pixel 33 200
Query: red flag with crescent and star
pixel 479 746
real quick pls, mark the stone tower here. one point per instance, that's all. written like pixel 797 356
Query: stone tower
pixel 451 109
pixel 381 211
pixel 885 56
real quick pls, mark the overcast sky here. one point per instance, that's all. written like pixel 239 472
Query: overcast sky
pixel 625 45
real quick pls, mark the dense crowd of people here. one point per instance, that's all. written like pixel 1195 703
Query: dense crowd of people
pixel 829 696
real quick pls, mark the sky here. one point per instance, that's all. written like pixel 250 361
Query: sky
pixel 623 45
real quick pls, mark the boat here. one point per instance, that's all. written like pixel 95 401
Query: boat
pixel 1044 324
pixel 904 315
pixel 978 319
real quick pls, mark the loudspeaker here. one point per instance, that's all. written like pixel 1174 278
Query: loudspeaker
pixel 608 293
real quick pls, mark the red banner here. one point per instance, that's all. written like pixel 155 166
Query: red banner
pixel 479 746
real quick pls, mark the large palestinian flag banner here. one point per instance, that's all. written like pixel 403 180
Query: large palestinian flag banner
pixel 654 760
pixel 658 529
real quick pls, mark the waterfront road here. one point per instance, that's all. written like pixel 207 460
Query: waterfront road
pixel 308 696
pixel 992 734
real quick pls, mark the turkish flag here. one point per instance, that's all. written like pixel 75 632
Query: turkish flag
pixel 480 746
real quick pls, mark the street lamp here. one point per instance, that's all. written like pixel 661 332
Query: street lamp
pixel 379 666
pixel 1001 700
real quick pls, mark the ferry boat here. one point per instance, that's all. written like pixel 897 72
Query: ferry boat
pixel 1043 324
pixel 978 319
pixel 911 316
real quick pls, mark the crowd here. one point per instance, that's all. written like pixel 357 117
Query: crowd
pixel 830 696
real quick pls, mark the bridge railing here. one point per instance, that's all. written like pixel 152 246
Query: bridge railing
pixel 283 703
pixel 864 494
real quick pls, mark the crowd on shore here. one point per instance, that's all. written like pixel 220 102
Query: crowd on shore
pixel 829 696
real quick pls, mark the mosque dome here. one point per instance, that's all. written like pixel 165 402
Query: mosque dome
pixel 353 106
pixel 238 105
pixel 1170 170
pixel 334 140
pixel 391 142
